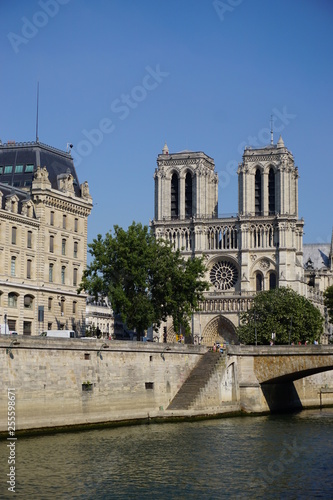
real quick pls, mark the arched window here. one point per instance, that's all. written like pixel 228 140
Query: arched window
pixel 12 299
pixel 188 195
pixel 13 266
pixel 271 192
pixel 74 306
pixel 257 193
pixel 49 303
pixel 62 306
pixel 272 281
pixel 28 301
pixel 259 282
pixel 174 197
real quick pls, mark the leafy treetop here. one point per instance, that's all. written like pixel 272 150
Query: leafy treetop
pixel 290 316
pixel 145 280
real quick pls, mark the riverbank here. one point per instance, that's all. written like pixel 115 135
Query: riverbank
pixel 60 385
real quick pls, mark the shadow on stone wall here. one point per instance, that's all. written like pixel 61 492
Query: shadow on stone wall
pixel 281 397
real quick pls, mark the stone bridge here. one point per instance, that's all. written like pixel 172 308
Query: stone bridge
pixel 268 377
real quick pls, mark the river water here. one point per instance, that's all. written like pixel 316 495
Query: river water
pixel 278 456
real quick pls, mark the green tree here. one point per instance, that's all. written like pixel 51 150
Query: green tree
pixel 328 302
pixel 284 312
pixel 145 280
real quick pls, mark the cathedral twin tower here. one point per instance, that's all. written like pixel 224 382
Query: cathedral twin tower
pixel 258 249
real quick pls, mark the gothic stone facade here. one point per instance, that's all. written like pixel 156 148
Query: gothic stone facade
pixel 43 239
pixel 260 248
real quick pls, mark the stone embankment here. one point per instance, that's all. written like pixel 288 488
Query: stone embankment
pixel 60 383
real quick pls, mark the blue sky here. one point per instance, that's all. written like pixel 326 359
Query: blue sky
pixel 118 78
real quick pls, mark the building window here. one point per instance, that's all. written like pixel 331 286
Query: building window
pixel 74 277
pixel 174 197
pixel 29 239
pixel 75 248
pixel 29 168
pixel 12 299
pixel 258 282
pixel 188 195
pixel 29 262
pixel 74 306
pixel 62 306
pixel 51 273
pixel 27 327
pixel 28 301
pixel 1 169
pixel 76 225
pixel 13 266
pixel 8 169
pixel 49 326
pixel 63 275
pixel 13 235
pixel 257 193
pixel 63 247
pixel 64 221
pixel 272 281
pixel 271 192
pixel 18 169
pixel 52 218
pixel 49 304
pixel 51 244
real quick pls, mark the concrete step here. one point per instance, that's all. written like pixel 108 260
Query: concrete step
pixel 196 381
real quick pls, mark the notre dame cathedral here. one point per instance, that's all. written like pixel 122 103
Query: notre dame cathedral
pixel 260 248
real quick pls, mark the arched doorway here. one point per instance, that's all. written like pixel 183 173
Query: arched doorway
pixel 219 329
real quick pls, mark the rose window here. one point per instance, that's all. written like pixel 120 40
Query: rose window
pixel 223 275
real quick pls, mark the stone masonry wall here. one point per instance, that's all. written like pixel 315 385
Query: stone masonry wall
pixel 122 379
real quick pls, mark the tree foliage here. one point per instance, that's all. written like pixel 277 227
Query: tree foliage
pixel 145 280
pixel 284 312
pixel 328 302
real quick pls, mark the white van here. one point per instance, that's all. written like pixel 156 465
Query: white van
pixel 62 334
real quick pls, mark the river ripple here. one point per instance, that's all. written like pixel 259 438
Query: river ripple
pixel 277 456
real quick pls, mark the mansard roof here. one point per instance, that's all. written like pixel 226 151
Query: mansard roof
pixel 25 157
pixel 316 255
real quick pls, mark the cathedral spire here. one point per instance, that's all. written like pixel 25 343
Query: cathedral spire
pixel 280 143
pixel 165 150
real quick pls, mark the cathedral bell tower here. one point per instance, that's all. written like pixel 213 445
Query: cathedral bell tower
pixel 268 209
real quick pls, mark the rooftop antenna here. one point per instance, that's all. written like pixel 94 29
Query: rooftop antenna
pixel 37 139
pixel 272 142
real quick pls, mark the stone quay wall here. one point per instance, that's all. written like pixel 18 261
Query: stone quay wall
pixel 62 382
pixel 75 382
